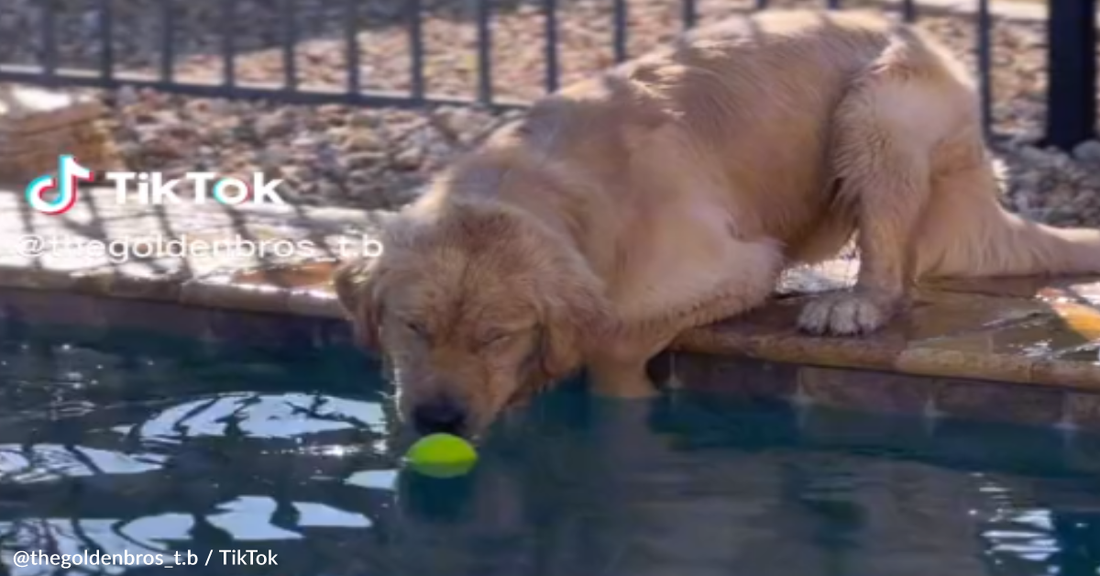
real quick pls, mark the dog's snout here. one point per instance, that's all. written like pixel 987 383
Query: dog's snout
pixel 440 414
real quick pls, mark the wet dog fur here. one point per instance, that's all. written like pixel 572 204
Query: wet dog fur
pixel 670 193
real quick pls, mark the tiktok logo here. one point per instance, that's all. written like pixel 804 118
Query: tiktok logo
pixel 65 184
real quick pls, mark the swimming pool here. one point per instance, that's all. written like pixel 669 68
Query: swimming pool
pixel 154 447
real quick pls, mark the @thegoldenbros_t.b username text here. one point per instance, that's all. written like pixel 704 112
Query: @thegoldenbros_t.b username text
pixel 158 246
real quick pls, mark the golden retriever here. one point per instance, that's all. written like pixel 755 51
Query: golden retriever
pixel 670 193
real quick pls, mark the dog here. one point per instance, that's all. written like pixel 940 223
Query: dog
pixel 670 193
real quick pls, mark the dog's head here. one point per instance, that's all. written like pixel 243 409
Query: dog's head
pixel 475 306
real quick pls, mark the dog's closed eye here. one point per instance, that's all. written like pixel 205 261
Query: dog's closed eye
pixel 417 328
pixel 497 338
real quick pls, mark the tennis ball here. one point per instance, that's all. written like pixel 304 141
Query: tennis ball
pixel 441 456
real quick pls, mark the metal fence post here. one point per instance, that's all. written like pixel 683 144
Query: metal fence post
pixel 1071 90
pixel 1072 69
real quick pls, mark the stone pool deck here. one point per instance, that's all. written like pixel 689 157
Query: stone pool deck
pixel 1015 350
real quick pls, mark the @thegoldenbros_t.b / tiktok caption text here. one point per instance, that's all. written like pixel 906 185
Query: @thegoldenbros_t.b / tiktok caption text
pixel 94 560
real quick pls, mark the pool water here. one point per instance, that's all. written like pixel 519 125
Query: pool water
pixel 181 449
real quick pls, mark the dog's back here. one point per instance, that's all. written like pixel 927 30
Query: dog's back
pixel 759 97
pixel 797 127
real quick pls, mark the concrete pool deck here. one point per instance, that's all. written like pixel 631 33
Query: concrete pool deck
pixel 1016 350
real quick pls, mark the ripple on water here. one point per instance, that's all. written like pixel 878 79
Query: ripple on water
pixel 257 415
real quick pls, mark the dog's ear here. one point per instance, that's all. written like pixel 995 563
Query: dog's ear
pixel 356 283
pixel 576 317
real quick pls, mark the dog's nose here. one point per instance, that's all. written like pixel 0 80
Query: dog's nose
pixel 442 414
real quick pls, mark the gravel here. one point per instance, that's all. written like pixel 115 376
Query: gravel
pixel 379 157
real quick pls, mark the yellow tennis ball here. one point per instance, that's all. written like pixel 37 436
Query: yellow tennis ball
pixel 441 456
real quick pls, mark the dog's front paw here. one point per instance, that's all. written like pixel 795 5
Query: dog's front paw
pixel 844 314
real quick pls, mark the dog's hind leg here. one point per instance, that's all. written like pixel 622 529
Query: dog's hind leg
pixel 884 131
pixel 908 148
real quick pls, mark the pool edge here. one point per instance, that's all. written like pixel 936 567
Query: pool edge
pixel 753 366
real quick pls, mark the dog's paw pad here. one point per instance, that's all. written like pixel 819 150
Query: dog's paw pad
pixel 842 315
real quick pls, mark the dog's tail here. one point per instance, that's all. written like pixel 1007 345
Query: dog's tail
pixel 966 233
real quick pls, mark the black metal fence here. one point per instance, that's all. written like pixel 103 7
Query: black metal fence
pixel 1071 32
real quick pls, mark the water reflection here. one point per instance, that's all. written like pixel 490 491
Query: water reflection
pixel 47 462
pixel 255 415
pixel 624 493
pixel 1063 537
pixel 574 487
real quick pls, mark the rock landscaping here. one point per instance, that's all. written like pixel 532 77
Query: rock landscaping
pixel 380 157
